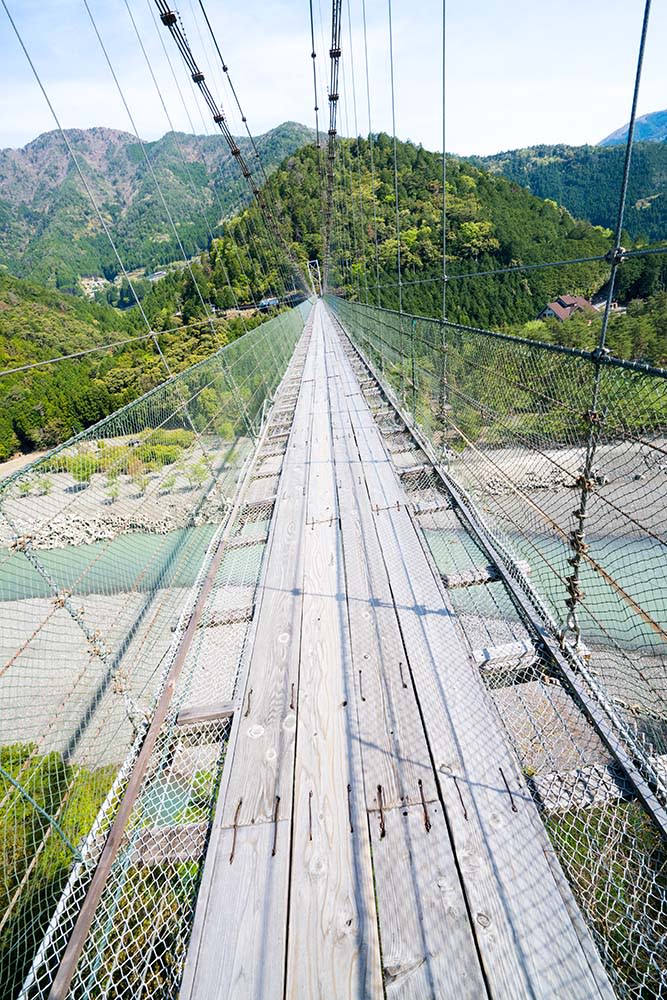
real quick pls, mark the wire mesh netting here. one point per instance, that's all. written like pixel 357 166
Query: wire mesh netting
pixel 102 547
pixel 509 421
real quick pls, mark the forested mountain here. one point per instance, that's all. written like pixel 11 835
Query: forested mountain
pixel 491 223
pixel 50 232
pixel 586 180
pixel 648 128
pixel 42 406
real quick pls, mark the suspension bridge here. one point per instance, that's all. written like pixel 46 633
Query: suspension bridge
pixel 353 683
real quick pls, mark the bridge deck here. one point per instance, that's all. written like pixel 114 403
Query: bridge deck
pixel 373 834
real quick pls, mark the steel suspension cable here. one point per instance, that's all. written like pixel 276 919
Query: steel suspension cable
pixel 171 21
pixel 372 156
pixel 86 185
pixel 280 220
pixel 313 56
pixel 594 417
pixel 364 248
pixel 180 150
pixel 222 212
pixel 444 162
pixel 334 54
pixel 158 186
pixel 393 127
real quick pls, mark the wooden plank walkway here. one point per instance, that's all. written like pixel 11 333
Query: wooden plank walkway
pixel 373 836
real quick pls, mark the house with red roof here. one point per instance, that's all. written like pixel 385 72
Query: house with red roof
pixel 566 306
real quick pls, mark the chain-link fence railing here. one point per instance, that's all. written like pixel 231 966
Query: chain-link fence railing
pixel 605 838
pixel 575 482
pixel 101 546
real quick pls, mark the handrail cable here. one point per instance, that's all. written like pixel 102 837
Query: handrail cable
pixel 595 418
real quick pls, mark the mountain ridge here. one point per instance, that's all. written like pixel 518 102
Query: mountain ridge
pixel 586 181
pixel 50 232
pixel 648 128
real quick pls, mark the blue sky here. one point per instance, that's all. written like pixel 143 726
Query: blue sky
pixel 518 73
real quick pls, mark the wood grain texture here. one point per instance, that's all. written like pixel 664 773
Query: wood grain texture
pixel 526 938
pixel 357 676
pixel 237 944
pixel 264 748
pixel 428 949
pixel 333 946
pixel 393 745
pixel 241 955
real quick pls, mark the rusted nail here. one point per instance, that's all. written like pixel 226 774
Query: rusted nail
pixel 456 785
pixel 427 821
pixel 349 806
pixel 236 820
pixel 509 790
pixel 275 826
pixel 310 815
pixel 382 827
pixel 247 711
pixel 400 670
pixel 291 704
pixel 361 690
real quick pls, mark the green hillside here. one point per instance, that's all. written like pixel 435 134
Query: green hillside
pixel 586 180
pixel 49 231
pixel 44 406
pixel 491 223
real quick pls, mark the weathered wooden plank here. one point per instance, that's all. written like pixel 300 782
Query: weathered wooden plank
pixel 526 938
pixel 478 574
pixel 428 948
pixel 169 844
pixel 230 616
pixel 333 947
pixel 581 788
pixel 205 713
pixel 238 939
pixel 265 744
pixel 246 541
pixel 241 955
pixel 500 657
pixel 393 745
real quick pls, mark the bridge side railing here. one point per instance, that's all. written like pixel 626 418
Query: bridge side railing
pixel 101 546
pixel 571 478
